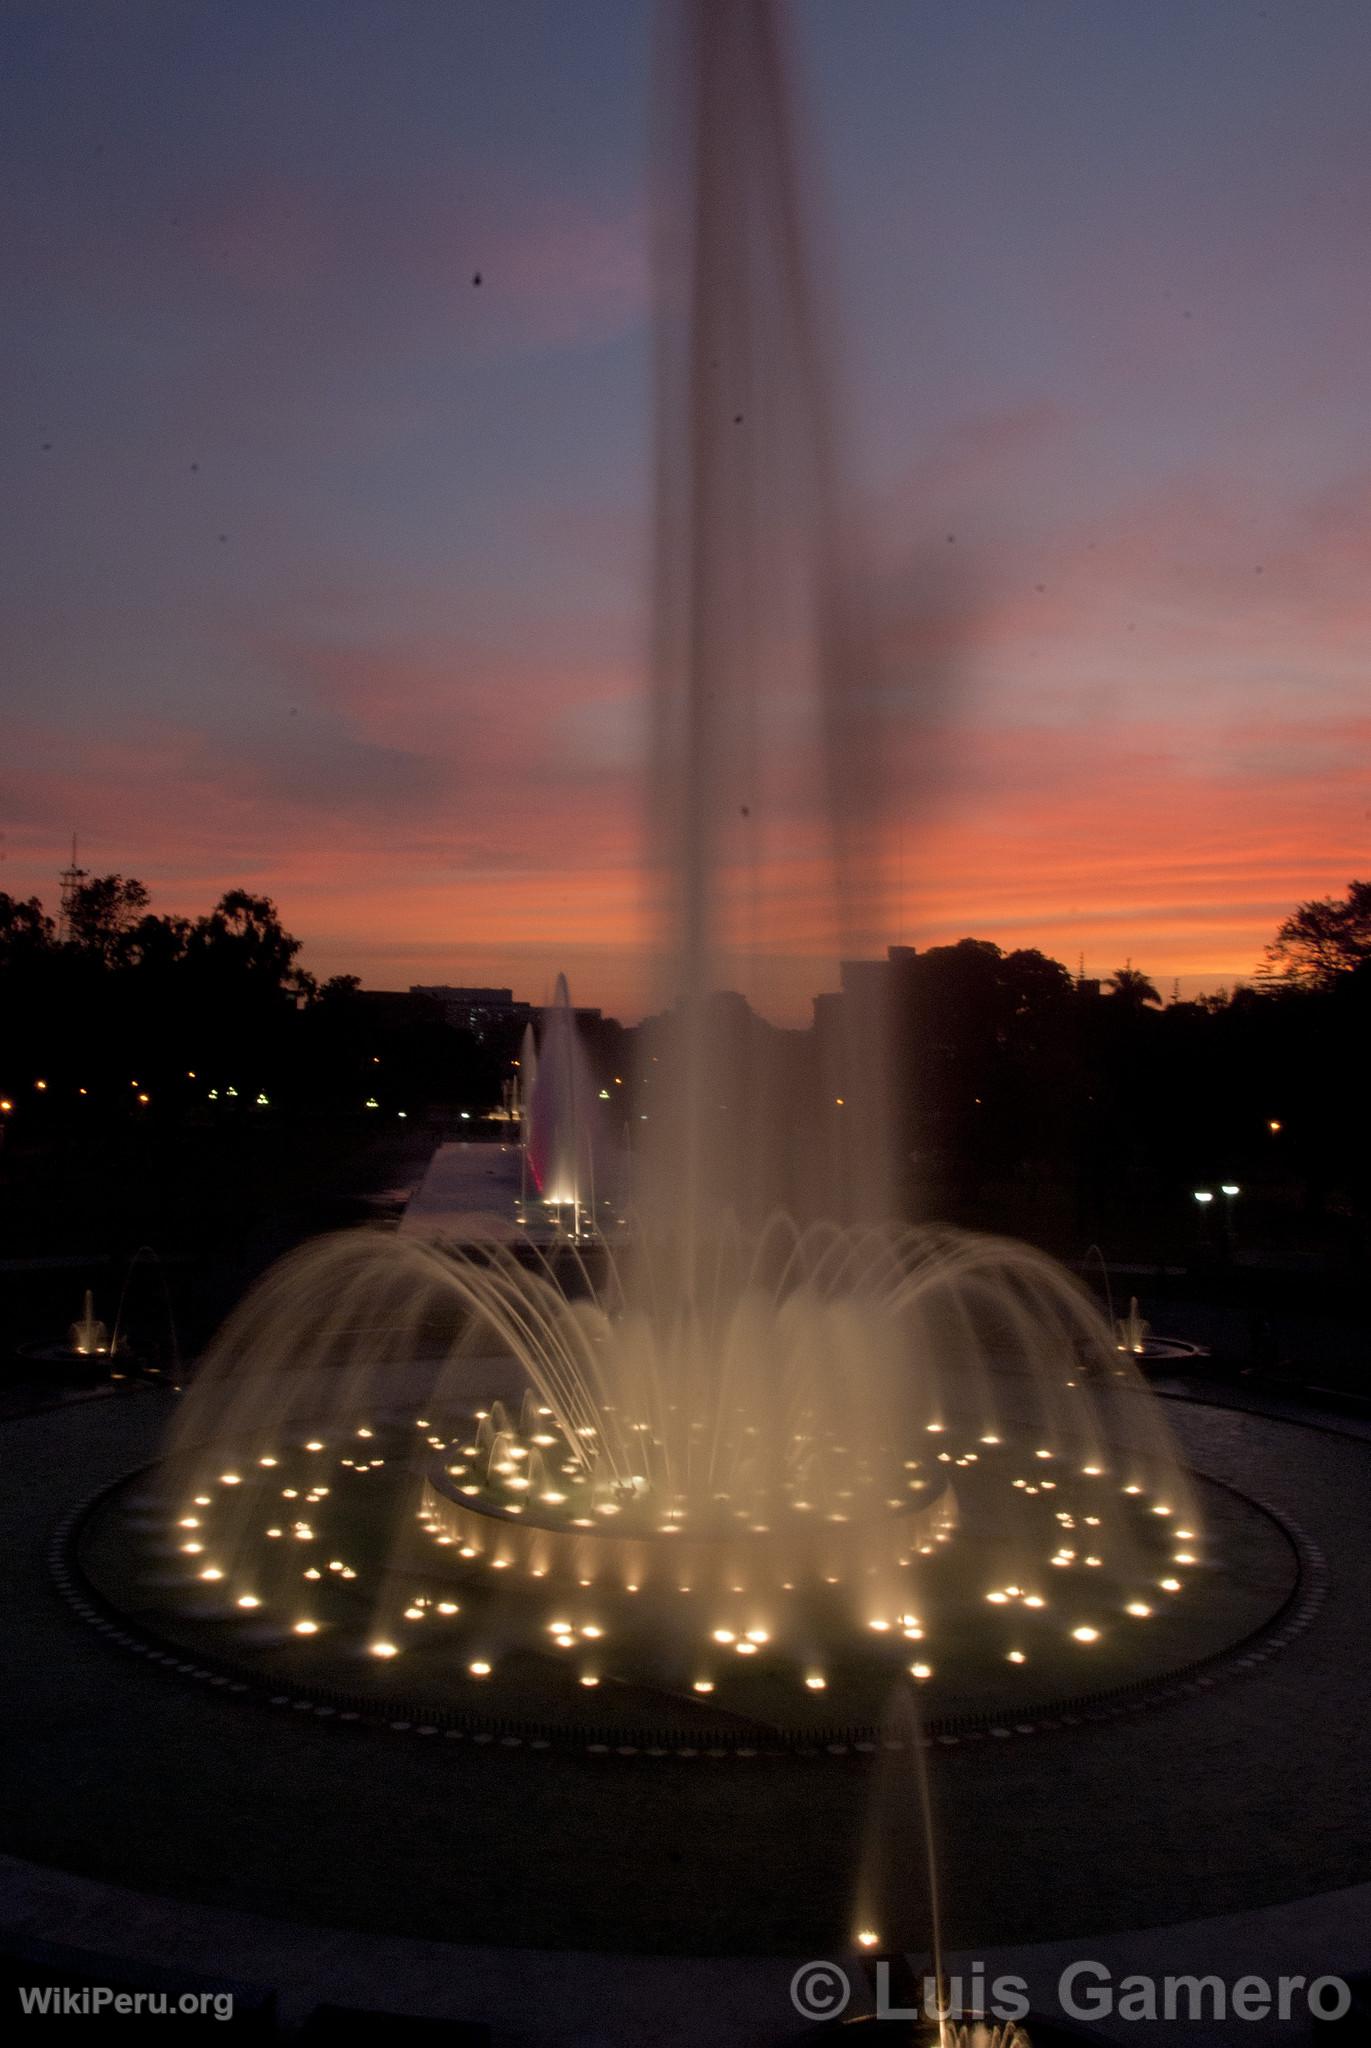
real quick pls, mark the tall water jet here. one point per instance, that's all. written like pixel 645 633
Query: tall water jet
pixel 764 788
pixel 560 1119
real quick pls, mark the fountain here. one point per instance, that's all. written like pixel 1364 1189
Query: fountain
pixel 88 1337
pixel 559 1121
pixel 779 1450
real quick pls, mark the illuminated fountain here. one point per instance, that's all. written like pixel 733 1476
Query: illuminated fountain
pixel 88 1337
pixel 841 1456
pixel 755 1468
pixel 559 1121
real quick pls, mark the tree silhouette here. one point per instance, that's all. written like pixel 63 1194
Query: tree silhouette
pixel 1132 987
pixel 1323 939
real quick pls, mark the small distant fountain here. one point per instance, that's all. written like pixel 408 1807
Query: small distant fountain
pixel 560 1122
pixel 88 1336
pixel 1132 1331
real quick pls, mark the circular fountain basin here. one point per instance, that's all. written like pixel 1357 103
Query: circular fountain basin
pixel 285 1564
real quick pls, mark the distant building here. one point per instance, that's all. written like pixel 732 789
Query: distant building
pixel 484 1012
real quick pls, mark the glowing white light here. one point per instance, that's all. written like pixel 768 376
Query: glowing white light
pixel 815 1683
pixel 479 1670
pixel 867 1938
pixel 703 1685
pixel 1016 1657
pixel 306 1628
pixel 1086 1635
pixel 384 1649
pixel 1138 1607
pixel 211 1571
pixel 248 1600
pixel 921 1671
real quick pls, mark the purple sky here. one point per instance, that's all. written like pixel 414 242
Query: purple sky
pixel 325 568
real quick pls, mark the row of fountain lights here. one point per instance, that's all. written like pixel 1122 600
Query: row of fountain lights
pixel 569 1635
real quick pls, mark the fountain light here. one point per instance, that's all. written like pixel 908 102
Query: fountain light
pixel 1085 1634
pixel 306 1628
pixel 384 1649
pixel 1170 1585
pixel 921 1671
pixel 815 1683
pixel 479 1670
pixel 1016 1657
pixel 211 1571
pixel 867 1937
pixel 703 1685
pixel 1139 1608
pixel 248 1600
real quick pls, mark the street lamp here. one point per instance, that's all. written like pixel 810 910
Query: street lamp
pixel 1204 1195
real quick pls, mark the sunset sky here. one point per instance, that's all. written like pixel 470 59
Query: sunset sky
pixel 326 570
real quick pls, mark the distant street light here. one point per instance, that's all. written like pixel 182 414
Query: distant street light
pixel 1229 1187
pixel 1204 1195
